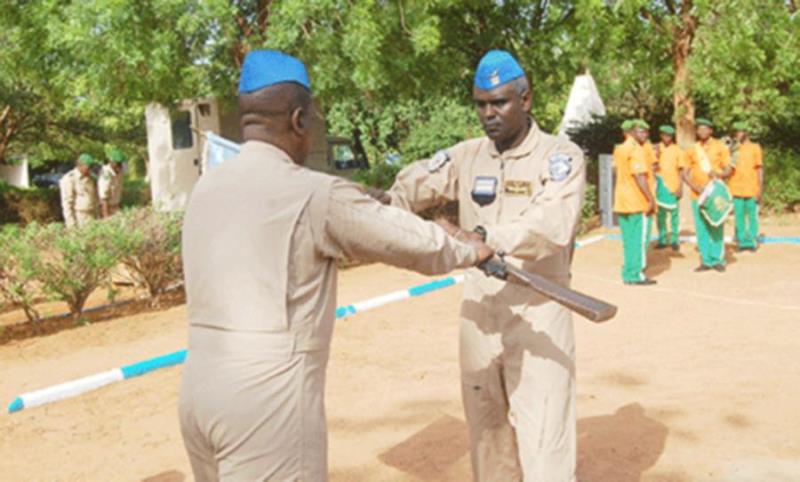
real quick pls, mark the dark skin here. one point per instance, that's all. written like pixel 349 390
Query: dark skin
pixel 281 115
pixel 704 133
pixel 84 169
pixel 640 135
pixel 668 140
pixel 503 113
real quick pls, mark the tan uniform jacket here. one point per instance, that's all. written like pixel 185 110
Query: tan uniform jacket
pixel 78 198
pixel 260 241
pixel 538 195
pixel 516 347
pixel 109 187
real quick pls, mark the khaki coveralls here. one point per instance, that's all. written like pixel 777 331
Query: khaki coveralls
pixel 516 347
pixel 109 187
pixel 260 241
pixel 79 202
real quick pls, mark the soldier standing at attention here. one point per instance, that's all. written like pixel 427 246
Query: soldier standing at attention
pixel 261 238
pixel 521 190
pixel 746 185
pixel 670 188
pixel 708 159
pixel 633 204
pixel 79 193
pixel 109 184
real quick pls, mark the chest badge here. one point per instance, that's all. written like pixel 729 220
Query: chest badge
pixel 560 166
pixel 518 188
pixel 437 161
pixel 484 191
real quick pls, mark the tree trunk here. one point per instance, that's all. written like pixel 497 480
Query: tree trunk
pixel 682 37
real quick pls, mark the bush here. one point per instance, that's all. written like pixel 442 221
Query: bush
pixel 135 192
pixel 72 263
pixel 150 243
pixel 781 179
pixel 29 205
pixel 17 280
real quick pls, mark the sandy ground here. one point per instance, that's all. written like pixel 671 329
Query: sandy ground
pixel 697 379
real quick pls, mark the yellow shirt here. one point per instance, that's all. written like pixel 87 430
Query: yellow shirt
pixel 670 161
pixel 718 159
pixel 628 197
pixel 652 159
pixel 744 181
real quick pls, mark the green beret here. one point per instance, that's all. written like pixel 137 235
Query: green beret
pixel 627 125
pixel 641 123
pixel 86 159
pixel 115 155
pixel 741 126
pixel 667 129
pixel 702 121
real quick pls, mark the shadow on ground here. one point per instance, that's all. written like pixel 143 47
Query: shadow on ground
pixel 619 447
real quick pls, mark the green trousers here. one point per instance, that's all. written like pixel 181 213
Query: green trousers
pixel 635 231
pixel 710 239
pixel 745 210
pixel 670 236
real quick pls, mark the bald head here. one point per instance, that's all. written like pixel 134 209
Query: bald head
pixel 280 114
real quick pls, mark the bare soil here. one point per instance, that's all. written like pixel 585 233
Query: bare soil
pixel 696 379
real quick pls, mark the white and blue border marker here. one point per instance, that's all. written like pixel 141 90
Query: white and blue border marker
pixel 92 382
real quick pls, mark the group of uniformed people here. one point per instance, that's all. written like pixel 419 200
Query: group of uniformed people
pixel 87 194
pixel 261 238
pixel 650 180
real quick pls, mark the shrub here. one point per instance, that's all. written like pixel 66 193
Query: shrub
pixel 72 263
pixel 781 179
pixel 29 205
pixel 150 243
pixel 135 192
pixel 17 256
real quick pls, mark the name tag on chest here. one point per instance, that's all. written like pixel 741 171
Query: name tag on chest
pixel 518 188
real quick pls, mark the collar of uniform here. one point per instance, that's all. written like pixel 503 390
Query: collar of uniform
pixel 259 148
pixel 522 150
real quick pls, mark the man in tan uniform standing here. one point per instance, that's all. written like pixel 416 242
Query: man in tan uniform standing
pixel 260 241
pixel 522 191
pixel 78 193
pixel 109 184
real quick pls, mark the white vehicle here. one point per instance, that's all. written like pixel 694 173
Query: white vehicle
pixel 175 146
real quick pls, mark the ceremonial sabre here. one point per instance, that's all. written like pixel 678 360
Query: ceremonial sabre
pixel 589 307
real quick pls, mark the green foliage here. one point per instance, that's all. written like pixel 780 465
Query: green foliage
pixel 150 247
pixel 29 205
pixel 135 192
pixel 17 276
pixel 379 174
pixel 73 262
pixel 781 179
pixel 590 208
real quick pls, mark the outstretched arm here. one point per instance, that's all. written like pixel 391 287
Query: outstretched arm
pixel 357 226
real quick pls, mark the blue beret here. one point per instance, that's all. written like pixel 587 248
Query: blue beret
pixel 496 68
pixel 263 68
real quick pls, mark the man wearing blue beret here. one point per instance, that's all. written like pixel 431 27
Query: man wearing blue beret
pixel 261 238
pixel 520 190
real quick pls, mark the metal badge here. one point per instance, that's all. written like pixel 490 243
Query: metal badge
pixel 560 166
pixel 518 188
pixel 484 191
pixel 438 160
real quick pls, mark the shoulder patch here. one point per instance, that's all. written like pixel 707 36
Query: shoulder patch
pixel 438 160
pixel 560 166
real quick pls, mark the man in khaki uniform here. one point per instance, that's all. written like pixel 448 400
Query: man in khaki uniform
pixel 109 184
pixel 78 193
pixel 522 190
pixel 261 238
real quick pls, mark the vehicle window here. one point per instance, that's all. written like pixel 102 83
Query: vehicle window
pixel 182 130
pixel 342 153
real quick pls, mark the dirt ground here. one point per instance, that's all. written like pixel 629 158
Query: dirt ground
pixel 697 379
